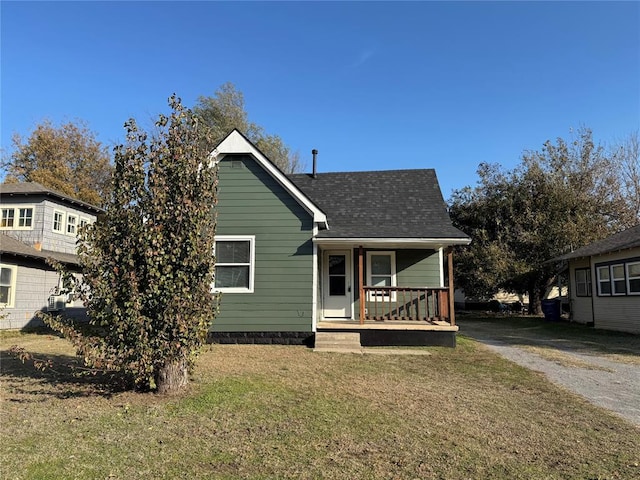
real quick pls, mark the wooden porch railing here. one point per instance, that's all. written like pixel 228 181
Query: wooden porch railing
pixel 427 304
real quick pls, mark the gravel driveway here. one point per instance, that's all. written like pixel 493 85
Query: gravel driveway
pixel 604 382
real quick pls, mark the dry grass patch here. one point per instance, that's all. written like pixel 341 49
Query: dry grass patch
pixel 286 412
pixel 564 359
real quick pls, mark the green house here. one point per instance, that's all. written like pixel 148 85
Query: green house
pixel 369 252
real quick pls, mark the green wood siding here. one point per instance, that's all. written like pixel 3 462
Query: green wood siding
pixel 414 268
pixel 251 202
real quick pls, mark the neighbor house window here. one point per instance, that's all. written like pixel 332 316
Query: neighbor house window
pixel 17 217
pixel 633 278
pixel 618 279
pixel 604 280
pixel 72 223
pixel 7 285
pixel 25 217
pixel 58 221
pixel 381 272
pixel 583 282
pixel 235 264
pixel 84 222
pixel 8 216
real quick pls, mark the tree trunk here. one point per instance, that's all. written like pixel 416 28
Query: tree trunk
pixel 172 376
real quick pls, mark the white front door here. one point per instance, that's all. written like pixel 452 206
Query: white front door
pixel 337 284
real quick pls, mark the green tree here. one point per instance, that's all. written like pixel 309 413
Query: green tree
pixel 225 110
pixel 67 158
pixel 147 264
pixel 558 199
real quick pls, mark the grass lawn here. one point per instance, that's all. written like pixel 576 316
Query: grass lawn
pixel 265 412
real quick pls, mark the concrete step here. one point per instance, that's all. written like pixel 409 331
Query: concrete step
pixel 338 342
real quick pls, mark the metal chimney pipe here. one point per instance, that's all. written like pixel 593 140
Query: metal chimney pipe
pixel 314 152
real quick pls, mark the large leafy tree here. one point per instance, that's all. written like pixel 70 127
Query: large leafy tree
pixel 558 199
pixel 67 158
pixel 147 264
pixel 225 110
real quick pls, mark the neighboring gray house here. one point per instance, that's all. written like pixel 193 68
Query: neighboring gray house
pixel 361 251
pixel 36 223
pixel 604 280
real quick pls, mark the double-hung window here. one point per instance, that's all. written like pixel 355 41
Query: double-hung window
pixel 604 280
pixel 583 282
pixel 235 264
pixel 7 285
pixel 633 278
pixel 72 224
pixel 381 272
pixel 8 218
pixel 58 221
pixel 618 279
pixel 25 217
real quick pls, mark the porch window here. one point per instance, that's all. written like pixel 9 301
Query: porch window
pixel 633 278
pixel 58 221
pixel 381 271
pixel 7 285
pixel 235 264
pixel 583 282
pixel 604 280
pixel 619 281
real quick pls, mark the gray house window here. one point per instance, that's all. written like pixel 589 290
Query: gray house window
pixel 7 285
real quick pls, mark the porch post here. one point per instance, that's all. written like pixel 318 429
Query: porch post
pixel 361 284
pixel 452 314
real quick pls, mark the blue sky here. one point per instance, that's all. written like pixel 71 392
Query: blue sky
pixel 371 85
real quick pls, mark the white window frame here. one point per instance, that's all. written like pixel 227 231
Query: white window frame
pixel 600 281
pixel 586 282
pixel 394 283
pixel 629 278
pixel 19 217
pixel 63 216
pixel 615 279
pixel 12 285
pixel 73 224
pixel 13 218
pixel 252 263
pixel 84 221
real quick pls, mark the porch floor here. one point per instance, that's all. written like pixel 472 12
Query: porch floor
pixel 354 325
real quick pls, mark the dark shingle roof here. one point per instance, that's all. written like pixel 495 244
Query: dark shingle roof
pixel 383 204
pixel 10 245
pixel 33 188
pixel 629 238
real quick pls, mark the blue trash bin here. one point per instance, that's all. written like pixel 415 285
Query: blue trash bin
pixel 552 309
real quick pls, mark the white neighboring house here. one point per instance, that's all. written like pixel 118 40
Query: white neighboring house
pixel 37 223
pixel 604 280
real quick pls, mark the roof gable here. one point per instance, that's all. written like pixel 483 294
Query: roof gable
pixel 236 142
pixel 392 204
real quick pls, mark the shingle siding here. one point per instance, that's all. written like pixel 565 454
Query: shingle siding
pixel 251 202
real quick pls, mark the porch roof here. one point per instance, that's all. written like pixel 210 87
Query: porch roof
pixel 391 204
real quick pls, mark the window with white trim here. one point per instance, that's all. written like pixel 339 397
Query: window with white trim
pixel 8 217
pixel 84 222
pixel 604 280
pixel 25 217
pixel 381 272
pixel 58 221
pixel 583 282
pixel 633 278
pixel 72 223
pixel 235 264
pixel 618 279
pixel 7 285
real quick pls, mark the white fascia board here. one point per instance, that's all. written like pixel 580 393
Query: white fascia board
pixel 434 243
pixel 235 142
